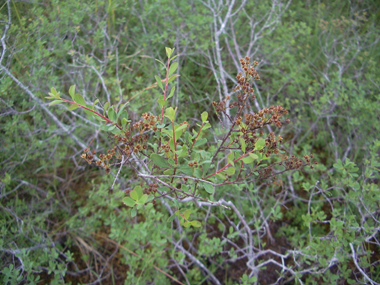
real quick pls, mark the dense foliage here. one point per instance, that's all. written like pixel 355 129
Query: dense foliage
pixel 208 196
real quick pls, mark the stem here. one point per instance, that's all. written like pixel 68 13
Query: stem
pixel 175 151
pixel 233 125
pixel 196 137
pixel 175 144
pixel 96 113
pixel 166 88
pixel 183 216
pixel 229 164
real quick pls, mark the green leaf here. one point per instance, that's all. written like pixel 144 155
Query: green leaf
pixel 183 151
pixel 159 161
pixel 53 91
pixel 72 91
pixel 172 78
pixel 79 99
pixel 89 112
pixel 96 102
pixel 117 132
pixel 143 199
pixel 198 173
pixel 260 144
pixel 105 127
pixel 174 57
pixel 170 113
pixel 124 115
pixel 179 128
pixel 128 201
pixel 206 126
pixel 230 158
pixel 169 133
pixel 171 93
pixel 200 142
pixel 163 188
pixel 204 117
pixel 187 213
pixel 112 114
pixel 53 94
pixel 173 68
pixel 169 51
pixel 171 161
pixel 162 102
pixel 110 128
pixel 196 224
pixel 133 212
pixel 139 192
pixel 161 62
pixel 171 218
pixel 254 156
pixel 106 106
pixel 55 102
pixel 186 170
pixel 208 187
pixel 169 172
pixel 247 159
pixel 121 109
pixel 206 166
pixel 134 195
pixel 99 118
pixel 171 144
pixel 229 171
pixel 150 198
pixel 124 121
pixel 159 82
pixel 243 145
pixel 184 188
pixel 221 175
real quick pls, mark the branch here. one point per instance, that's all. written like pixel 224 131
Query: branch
pixel 2 39
pixel 358 267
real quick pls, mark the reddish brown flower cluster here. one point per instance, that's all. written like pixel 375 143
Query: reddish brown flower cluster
pixel 290 163
pixel 244 85
pixel 148 123
pixel 271 115
pixel 221 106
pixel 126 143
pixel 193 164
pixel 265 172
pixel 88 155
pixel 293 162
pixel 250 74
pixel 151 188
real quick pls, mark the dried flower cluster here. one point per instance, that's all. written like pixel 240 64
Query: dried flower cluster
pixel 127 143
pixel 103 161
pixel 151 188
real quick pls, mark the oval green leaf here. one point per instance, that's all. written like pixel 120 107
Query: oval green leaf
pixel 128 201
pixel 159 161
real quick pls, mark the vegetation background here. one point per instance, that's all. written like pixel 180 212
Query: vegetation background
pixel 61 223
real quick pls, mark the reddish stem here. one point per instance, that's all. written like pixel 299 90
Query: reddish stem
pixel 96 113
pixel 175 151
pixel 196 137
pixel 166 88
pixel 175 145
pixel 183 216
pixel 229 164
